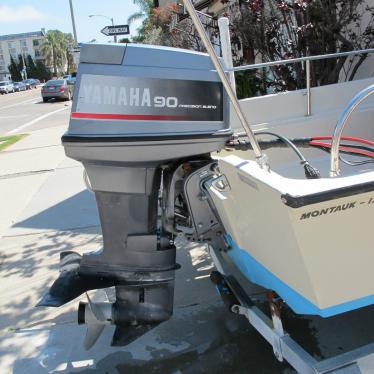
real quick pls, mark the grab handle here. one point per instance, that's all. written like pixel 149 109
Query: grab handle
pixel 342 121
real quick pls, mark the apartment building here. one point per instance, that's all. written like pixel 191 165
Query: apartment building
pixel 19 44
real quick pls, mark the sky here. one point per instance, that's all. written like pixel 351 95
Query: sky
pixel 18 16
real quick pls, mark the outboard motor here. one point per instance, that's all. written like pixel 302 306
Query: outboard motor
pixel 143 119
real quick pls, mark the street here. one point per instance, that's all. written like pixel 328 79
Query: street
pixel 47 209
pixel 25 111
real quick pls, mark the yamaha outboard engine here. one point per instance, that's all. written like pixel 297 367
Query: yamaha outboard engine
pixel 143 119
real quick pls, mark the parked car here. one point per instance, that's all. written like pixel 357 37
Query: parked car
pixel 30 83
pixel 19 86
pixel 6 87
pixel 57 89
pixel 71 78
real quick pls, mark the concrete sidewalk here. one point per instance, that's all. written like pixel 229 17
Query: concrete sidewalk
pixel 32 219
pixel 46 210
pixel 23 168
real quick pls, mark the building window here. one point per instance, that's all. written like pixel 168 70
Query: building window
pixel 13 51
pixel 23 43
pixel 37 53
pixel 10 45
pixel 35 42
pixel 14 56
pixel 1 58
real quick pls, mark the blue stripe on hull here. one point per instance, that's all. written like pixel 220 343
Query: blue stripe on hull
pixel 258 274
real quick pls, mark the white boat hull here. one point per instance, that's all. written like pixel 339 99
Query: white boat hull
pixel 309 240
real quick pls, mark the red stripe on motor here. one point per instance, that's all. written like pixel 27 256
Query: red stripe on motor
pixel 136 117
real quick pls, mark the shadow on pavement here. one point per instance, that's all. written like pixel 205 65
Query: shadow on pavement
pixel 74 212
pixel 28 270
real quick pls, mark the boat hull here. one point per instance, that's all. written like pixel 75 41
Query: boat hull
pixel 315 250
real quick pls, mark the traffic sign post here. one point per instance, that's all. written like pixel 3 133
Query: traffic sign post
pixel 116 30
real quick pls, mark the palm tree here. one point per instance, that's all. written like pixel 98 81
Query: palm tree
pixel 145 7
pixel 54 50
pixel 70 45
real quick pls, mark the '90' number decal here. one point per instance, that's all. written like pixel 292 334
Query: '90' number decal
pixel 162 102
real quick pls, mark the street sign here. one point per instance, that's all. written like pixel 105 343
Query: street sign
pixel 116 30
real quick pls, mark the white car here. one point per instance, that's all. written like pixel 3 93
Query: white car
pixel 6 87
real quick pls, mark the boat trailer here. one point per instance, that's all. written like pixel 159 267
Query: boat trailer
pixel 284 347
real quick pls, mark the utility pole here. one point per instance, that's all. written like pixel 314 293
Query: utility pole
pixel 73 21
pixel 24 71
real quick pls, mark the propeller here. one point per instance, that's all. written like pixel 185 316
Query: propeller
pixel 94 317
pixel 97 313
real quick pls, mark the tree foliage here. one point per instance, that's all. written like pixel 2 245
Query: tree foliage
pixel 14 70
pixel 34 69
pixel 43 73
pixel 279 29
pixel 124 40
pixel 69 45
pixel 56 50
pixel 156 29
pixel 31 68
pixel 145 8
pixel 269 30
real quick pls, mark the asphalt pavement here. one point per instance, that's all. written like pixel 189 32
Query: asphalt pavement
pixel 46 209
pixel 25 111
